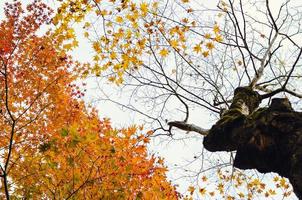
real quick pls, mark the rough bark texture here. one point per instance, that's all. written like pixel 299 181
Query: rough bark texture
pixel 266 139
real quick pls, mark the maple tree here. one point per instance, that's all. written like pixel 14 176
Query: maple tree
pixel 172 51
pixel 52 145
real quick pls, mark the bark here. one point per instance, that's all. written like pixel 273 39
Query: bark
pixel 266 139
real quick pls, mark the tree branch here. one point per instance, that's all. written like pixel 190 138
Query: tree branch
pixel 188 127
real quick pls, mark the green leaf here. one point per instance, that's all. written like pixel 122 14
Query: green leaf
pixel 64 132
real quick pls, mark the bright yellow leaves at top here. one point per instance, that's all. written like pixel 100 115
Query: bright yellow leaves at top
pixel 135 29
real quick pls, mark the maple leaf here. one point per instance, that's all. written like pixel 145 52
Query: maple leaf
pixel 174 44
pixel 144 8
pixel 207 36
pixel 204 178
pixel 197 48
pixel 205 53
pixel 119 19
pixel 212 193
pixel 241 195
pixel 272 192
pixel 210 45
pixel 220 188
pixel 202 191
pixel 191 189
pixel 164 52
pixel 218 38
pixel 216 29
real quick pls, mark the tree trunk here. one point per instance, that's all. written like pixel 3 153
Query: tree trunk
pixel 266 139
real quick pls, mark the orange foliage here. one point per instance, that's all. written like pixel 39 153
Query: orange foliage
pixel 52 147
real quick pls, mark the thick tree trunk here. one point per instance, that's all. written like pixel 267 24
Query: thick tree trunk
pixel 266 139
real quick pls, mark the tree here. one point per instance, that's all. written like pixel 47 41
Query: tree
pixel 168 51
pixel 52 145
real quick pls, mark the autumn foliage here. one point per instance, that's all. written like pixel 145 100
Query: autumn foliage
pixel 52 145
pixel 129 33
pixel 55 146
pixel 167 48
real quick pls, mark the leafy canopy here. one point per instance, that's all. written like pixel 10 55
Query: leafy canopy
pixel 52 145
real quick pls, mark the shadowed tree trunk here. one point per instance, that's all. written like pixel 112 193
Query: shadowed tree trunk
pixel 266 139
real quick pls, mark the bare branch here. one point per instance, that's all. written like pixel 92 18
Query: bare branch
pixel 188 127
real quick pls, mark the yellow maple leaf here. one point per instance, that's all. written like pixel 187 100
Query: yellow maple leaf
pixel 174 43
pixel 210 45
pixel 202 191
pixel 164 52
pixel 96 58
pixel 185 20
pixel 67 46
pixel 272 192
pixel 197 48
pixel 204 178
pixel 86 34
pixel 119 19
pixel 205 53
pixel 241 195
pixel 191 189
pixel 230 197
pixel 218 38
pixel 283 182
pixel 256 182
pixel 155 5
pixel 216 29
pixel 276 178
pixel 220 188
pixel 86 25
pixel 112 78
pixel 113 55
pixel 207 36
pixel 144 8
pixel 75 43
